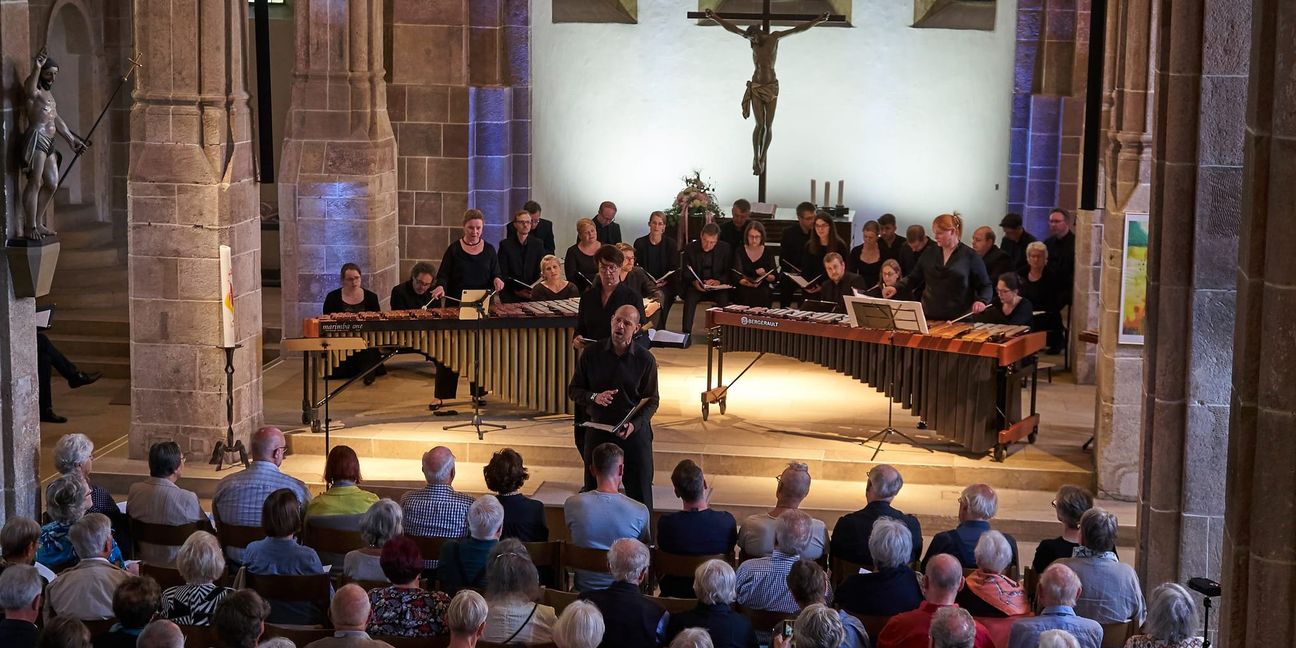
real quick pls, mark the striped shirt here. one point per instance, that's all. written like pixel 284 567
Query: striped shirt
pixel 762 583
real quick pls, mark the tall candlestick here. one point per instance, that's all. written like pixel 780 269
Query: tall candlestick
pixel 813 190
pixel 841 191
pixel 827 190
pixel 228 338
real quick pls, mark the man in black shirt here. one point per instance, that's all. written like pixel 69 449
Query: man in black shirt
pixel 707 262
pixel 792 250
pixel 996 262
pixel 1061 248
pixel 731 231
pixel 837 285
pixel 850 538
pixel 416 294
pixel 890 245
pixel 541 228
pixel 1015 240
pixel 659 256
pixel 519 259
pixel 695 531
pixel 599 303
pixel 20 591
pixel 606 231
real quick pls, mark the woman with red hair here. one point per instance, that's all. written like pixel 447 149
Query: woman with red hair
pixel 344 496
pixel 953 273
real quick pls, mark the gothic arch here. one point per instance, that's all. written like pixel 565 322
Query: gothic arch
pixel 74 36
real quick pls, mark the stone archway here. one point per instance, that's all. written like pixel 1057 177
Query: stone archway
pixel 75 41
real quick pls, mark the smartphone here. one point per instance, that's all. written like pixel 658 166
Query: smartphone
pixel 784 628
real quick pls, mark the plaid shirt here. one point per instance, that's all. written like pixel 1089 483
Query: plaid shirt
pixel 762 583
pixel 436 511
pixel 239 496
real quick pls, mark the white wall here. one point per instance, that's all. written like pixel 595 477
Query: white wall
pixel 915 120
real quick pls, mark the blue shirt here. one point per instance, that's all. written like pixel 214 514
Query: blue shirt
pixel 239 496
pixel 281 557
pixel 1026 632
pixel 54 548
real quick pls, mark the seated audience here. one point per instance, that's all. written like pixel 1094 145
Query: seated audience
pixel 756 536
pixel 463 562
pixel 20 599
pixel 524 518
pixel 201 564
pixel 239 496
pixel 952 628
pixel 808 583
pixel 817 626
pixel 18 540
pixel 692 638
pixel 850 536
pixel 240 619
pixel 1056 594
pixel 157 500
pixel 134 604
pixel 1172 620
pixel 161 633
pixel 977 505
pixel 467 619
pixel 706 262
pixel 349 611
pixel 892 587
pixel 1070 503
pixel 512 595
pixel 632 621
pixel 580 626
pixel 987 592
pixel 599 517
pixel 74 455
pixel 64 632
pixel 715 584
pixel 762 582
pixel 1110 591
pixel 85 590
pixel 553 285
pixel 404 609
pixel 279 554
pixel 438 510
pixel 1057 639
pixel 381 523
pixel 67 500
pixel 940 585
pixel 344 498
pixel 695 531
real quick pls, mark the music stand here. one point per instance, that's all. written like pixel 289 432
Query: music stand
pixel 477 304
pixel 322 345
pixel 893 316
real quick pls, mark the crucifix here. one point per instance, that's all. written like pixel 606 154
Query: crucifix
pixel 761 97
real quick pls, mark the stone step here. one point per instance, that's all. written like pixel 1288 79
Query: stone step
pixel 90 299
pixel 79 236
pixel 110 366
pixel 110 278
pixel 100 323
pixel 82 346
pixel 95 258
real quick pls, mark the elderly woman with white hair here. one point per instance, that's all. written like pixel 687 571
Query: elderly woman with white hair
pixel 67 500
pixel 201 563
pixel 382 522
pixel 892 587
pixel 74 455
pixel 988 592
pixel 580 626
pixel 1109 589
pixel 714 584
pixel 633 620
pixel 978 504
pixel 513 593
pixel 466 617
pixel 462 563
pixel 1043 287
pixel 1172 620
pixel 818 626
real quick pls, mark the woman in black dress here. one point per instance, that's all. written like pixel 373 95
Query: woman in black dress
pixel 659 256
pixel 754 264
pixel 580 265
pixel 352 298
pixel 953 274
pixel 1011 307
pixel 636 276
pixel 891 273
pixel 823 240
pixel 468 264
pixel 553 285
pixel 1040 285
pixel 866 259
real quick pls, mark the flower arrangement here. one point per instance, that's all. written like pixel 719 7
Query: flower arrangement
pixel 697 198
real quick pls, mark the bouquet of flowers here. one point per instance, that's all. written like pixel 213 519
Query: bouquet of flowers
pixel 697 198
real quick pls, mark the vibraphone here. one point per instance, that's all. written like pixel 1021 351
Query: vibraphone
pixel 527 357
pixel 962 379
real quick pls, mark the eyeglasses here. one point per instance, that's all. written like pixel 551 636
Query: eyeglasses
pixel 279 448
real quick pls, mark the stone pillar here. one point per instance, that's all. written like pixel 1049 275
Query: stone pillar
pixel 337 179
pixel 19 390
pixel 1201 95
pixel 1259 526
pixel 191 190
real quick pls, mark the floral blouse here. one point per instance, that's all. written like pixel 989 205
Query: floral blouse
pixel 405 612
pixel 54 548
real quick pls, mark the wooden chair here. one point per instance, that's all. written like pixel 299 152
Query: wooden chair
pixel 365 585
pixel 315 589
pixel 765 620
pixel 556 520
pixel 165 576
pixel 674 605
pixel 547 558
pixel 99 627
pixel 331 544
pixel 558 599
pixel 429 546
pixel 439 641
pixel 162 535
pixel 873 623
pixel 665 563
pixel 583 558
pixel 1115 634
pixel 491 644
pixel 841 569
pixel 1030 583
pixel 198 636
pixel 237 537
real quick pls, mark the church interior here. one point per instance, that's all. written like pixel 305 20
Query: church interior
pixel 223 159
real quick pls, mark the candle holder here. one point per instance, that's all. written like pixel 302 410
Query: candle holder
pixel 229 451
pixel 839 212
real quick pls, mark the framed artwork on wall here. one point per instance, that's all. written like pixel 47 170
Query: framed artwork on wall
pixel 1134 267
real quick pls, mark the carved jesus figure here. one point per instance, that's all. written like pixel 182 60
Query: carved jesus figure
pixel 39 160
pixel 761 96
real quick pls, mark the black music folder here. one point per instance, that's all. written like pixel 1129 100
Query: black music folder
pixel 616 429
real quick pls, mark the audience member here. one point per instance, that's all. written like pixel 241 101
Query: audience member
pixel 134 604
pixel 85 591
pixel 1042 287
pixel 161 633
pixel 1070 503
pixel 277 642
pixel 349 612
pixel 1110 589
pixel 512 594
pixel 20 599
pixel 467 619
pixel 524 518
pixel 715 584
pixel 463 562
pixel 940 585
pixel 762 582
pixel 597 518
pixel 438 510
pixel 64 632
pixel 344 498
pixel 67 500
pixel 1172 620
pixel 1056 594
pixel 756 536
pixel 201 564
pixel 1057 639
pixel 608 232
pixel 278 554
pixel 987 591
pixel 404 609
pixel 74 455
pixel 239 496
pixel 996 260
pixel 632 621
pixel 1061 247
pixel 541 228
pixel 817 626
pixel 580 626
pixel 850 536
pixel 808 584
pixel 692 638
pixel 158 500
pixel 977 506
pixel 892 587
pixel 952 627
pixel 695 531
pixel 381 523
pixel 18 540
pixel 1015 240
pixel 707 263
pixel 240 619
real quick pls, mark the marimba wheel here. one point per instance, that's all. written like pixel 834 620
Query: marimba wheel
pixel 722 407
pixel 1034 433
pixel 305 418
pixel 999 452
pixel 316 428
pixel 706 411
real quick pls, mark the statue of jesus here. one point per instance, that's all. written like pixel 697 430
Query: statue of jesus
pixel 39 159
pixel 761 96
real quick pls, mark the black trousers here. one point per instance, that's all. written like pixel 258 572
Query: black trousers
pixel 668 295
pixel 446 382
pixel 691 298
pixel 786 291
pixel 638 461
pixel 48 359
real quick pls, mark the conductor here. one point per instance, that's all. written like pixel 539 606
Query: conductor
pixel 612 376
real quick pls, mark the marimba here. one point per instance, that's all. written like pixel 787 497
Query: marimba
pixel 962 379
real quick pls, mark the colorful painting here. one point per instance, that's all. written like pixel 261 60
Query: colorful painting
pixel 1133 311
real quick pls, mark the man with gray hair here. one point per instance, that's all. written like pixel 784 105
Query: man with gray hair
pixel 349 611
pixel 715 584
pixel 18 541
pixel 850 537
pixel 438 510
pixel 1057 592
pixel 892 587
pixel 20 598
pixel 160 633
pixel 977 505
pixel 952 627
pixel 1111 592
pixel 463 562
pixel 158 500
pixel 940 585
pixel 631 620
pixel 818 626
pixel 756 537
pixel 239 496
pixel 466 618
pixel 85 591
pixel 762 582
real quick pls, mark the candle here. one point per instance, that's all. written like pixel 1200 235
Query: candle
pixel 827 190
pixel 813 189
pixel 228 337
pixel 841 191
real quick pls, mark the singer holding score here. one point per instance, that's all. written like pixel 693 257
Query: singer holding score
pixel 707 265
pixel 954 274
pixel 754 268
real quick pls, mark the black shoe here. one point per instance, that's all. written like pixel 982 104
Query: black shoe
pixel 48 416
pixel 370 378
pixel 81 379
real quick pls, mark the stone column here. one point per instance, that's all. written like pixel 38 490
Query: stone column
pixel 19 390
pixel 190 190
pixel 1259 526
pixel 337 180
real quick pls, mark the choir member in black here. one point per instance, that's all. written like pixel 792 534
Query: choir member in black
pixel 415 294
pixel 891 274
pixel 995 260
pixel 792 252
pixel 706 262
pixel 1045 291
pixel 837 285
pixel 1015 240
pixel 658 254
pixel 823 241
pixel 754 266
pixel 731 231
pixel 866 258
pixel 1061 247
pixel 606 231
pixel 519 259
pixel 635 276
pixel 953 273
pixel 352 298
pixel 916 243
pixel 541 228
pixel 600 301
pixel 611 377
pixel 580 266
pixel 553 285
pixel 892 246
pixel 1011 307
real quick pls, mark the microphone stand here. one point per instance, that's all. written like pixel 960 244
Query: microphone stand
pixel 477 423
